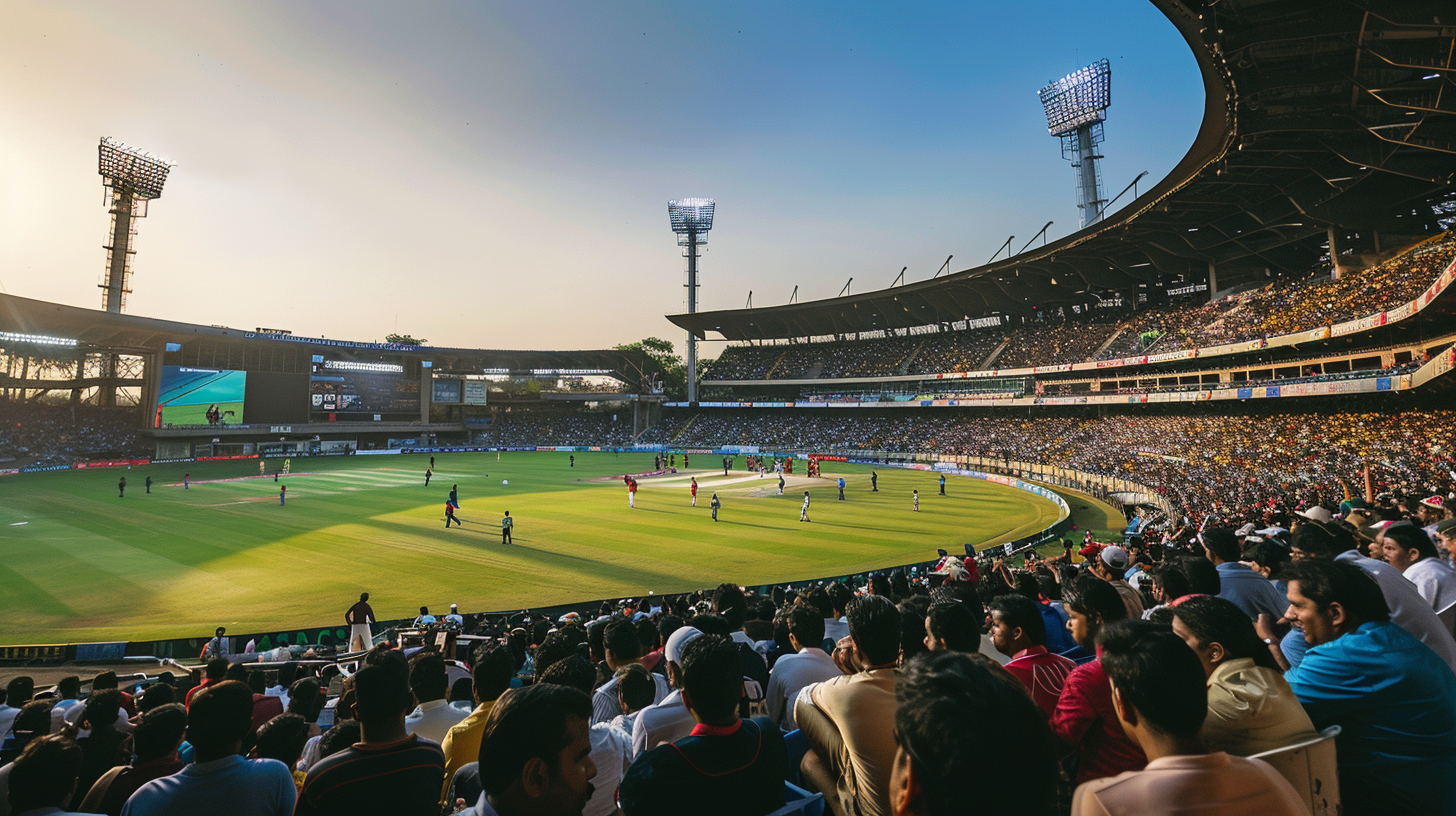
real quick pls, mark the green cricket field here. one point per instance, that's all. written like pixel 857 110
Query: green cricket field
pixel 79 563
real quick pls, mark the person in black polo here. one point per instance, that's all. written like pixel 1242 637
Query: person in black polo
pixel 727 765
pixel 388 770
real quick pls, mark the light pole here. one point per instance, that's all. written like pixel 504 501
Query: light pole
pixel 1076 106
pixel 691 219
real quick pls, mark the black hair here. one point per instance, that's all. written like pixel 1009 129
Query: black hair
pixel 428 678
pixel 1094 597
pixel 1268 554
pixel 1319 540
pixel 958 717
pixel 305 698
pixel 874 626
pixel 156 696
pixel 218 716
pixel 729 604
pixel 257 682
pixel 44 773
pixel 635 686
pixel 1202 575
pixel 646 634
pixel 1170 576
pixel 103 707
pixel 899 585
pixel 462 691
pixel 1222 542
pixel 341 736
pixel 159 731
pixel 524 724
pixel 574 672
pixel 806 625
pixel 33 720
pixel 493 672
pixel 712 677
pixel 621 639
pixel 710 625
pixel 1216 620
pixel 557 646
pixel 668 624
pixel 953 623
pixel 383 691
pixel 1327 582
pixel 816 598
pixel 238 672
pixel 69 688
pixel 104 680
pixel 1022 613
pixel 839 597
pixel 1155 672
pixel 282 738
pixel 19 691
pixel 1411 537
pixel 880 585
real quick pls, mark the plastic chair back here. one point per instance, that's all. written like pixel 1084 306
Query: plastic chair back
pixel 1310 767
pixel 800 802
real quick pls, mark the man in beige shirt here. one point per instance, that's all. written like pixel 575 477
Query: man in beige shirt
pixel 850 720
pixel 1159 693
pixel 1251 708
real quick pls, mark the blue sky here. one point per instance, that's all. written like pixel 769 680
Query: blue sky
pixel 496 174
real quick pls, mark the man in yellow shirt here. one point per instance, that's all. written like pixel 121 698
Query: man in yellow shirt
pixel 491 679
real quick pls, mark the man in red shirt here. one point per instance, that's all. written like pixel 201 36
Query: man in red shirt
pixel 1019 632
pixel 216 671
pixel 1084 718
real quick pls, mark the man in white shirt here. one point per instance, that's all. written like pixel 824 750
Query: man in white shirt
pixel 669 720
pixel 69 690
pixel 792 672
pixel 623 648
pixel 434 716
pixel 611 750
pixel 1410 550
pixel 17 693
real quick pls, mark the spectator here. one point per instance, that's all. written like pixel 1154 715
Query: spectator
pixel 217 669
pixel 282 738
pixel 1393 698
pixel 611 749
pixel 1019 632
pixel 1084 719
pixel 1410 550
pixel 34 720
pixel 491 677
pixel 344 734
pixel 389 770
pixel 17 693
pixel 218 720
pixel 44 777
pixel 1159 694
pixel 950 625
pixel 635 691
pixel 158 734
pixel 104 747
pixel 807 664
pixel 958 719
pixel 535 754
pixel 669 720
pixel 727 765
pixel 433 718
pixel 622 649
pixel 1251 708
pixel 849 720
pixel 1109 565
pixel 1246 589
pixel 67 704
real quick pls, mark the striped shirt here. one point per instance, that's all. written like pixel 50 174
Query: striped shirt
pixel 399 778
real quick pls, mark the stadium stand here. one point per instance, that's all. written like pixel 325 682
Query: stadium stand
pixel 42 435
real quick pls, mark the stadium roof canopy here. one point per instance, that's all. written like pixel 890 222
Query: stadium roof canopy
pixel 1317 116
pixel 95 330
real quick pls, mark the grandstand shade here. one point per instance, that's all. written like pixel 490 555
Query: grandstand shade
pixel 1334 125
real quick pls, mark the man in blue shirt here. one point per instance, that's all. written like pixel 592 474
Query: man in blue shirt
pixel 1392 696
pixel 1246 589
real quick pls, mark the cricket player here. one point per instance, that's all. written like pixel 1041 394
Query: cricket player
pixel 917 500
pixel 694 488
pixel 450 516
pixel 282 494
pixel 804 511
pixel 506 524
pixel 631 492
pixel 715 504
pixel 841 488
pixel 781 484
pixel 942 484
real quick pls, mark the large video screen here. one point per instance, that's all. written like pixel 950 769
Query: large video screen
pixel 362 395
pixel 201 396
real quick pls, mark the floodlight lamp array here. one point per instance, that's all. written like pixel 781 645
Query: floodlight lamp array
pixel 691 215
pixel 1077 99
pixel 350 365
pixel 125 167
pixel 37 339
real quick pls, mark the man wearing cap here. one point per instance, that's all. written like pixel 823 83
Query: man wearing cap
pixel 455 616
pixel 669 720
pixel 1248 590
pixel 1431 512
pixel 1410 550
pixel 1109 565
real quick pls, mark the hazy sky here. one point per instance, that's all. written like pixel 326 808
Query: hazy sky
pixel 496 174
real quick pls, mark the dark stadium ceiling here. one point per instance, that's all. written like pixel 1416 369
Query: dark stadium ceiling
pixel 1318 116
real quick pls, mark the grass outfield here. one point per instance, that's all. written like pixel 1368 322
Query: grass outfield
pixel 79 564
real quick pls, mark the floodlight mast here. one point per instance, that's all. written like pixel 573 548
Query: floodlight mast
pixel 1076 106
pixel 691 219
pixel 132 178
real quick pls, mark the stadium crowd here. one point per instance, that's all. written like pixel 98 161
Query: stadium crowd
pixel 552 428
pixel 41 435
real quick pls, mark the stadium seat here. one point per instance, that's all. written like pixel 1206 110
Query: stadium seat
pixel 1310 768
pixel 800 802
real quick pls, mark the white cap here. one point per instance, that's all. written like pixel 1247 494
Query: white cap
pixel 1317 513
pixel 677 640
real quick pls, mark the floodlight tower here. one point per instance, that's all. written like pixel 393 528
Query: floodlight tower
pixel 131 178
pixel 1075 107
pixel 691 219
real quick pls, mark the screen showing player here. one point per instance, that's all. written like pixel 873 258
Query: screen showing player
pixel 201 396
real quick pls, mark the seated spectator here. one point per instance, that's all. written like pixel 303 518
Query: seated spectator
pixel 307 701
pixel 727 765
pixel 491 677
pixel 1246 589
pixel 1393 698
pixel 389 770
pixel 1019 632
pixel 108 680
pixel 158 734
pixel 849 720
pixel 34 720
pixel 17 693
pixel 535 754
pixel 344 734
pixel 622 649
pixel 958 717
pixel 1159 694
pixel 611 749
pixel 433 718
pixel 1251 708
pixel 1410 550
pixel 669 720
pixel 282 738
pixel 807 664
pixel 1109 565
pixel 220 717
pixel 951 626
pixel 635 691
pixel 216 672
pixel 44 777
pixel 68 700
pixel 1084 719
pixel 104 747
